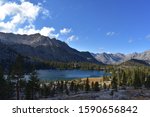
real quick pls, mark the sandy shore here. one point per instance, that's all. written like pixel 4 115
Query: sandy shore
pixel 93 79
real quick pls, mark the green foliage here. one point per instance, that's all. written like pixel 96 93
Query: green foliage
pixel 104 86
pixel 114 83
pixel 87 86
pixel 17 72
pixel 6 87
pixel 66 88
pixel 92 86
pixel 137 81
pixel 32 88
pixel 72 85
pixel 96 86
pixel 147 82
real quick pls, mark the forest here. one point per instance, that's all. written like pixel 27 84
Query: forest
pixel 15 86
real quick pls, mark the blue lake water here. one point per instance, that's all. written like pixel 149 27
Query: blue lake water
pixel 68 74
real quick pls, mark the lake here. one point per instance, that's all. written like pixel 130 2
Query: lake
pixel 68 74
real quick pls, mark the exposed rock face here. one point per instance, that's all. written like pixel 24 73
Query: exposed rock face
pixel 119 58
pixel 110 58
pixel 41 47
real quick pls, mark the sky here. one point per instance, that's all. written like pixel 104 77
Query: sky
pixel 112 26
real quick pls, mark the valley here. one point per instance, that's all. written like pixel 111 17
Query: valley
pixel 71 74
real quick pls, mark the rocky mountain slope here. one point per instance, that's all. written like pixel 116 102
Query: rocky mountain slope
pixel 110 58
pixel 134 62
pixel 118 58
pixel 40 47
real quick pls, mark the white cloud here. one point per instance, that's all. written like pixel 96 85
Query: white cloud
pixel 72 38
pixel 21 18
pixel 110 33
pixel 45 31
pixel 26 10
pixel 65 31
pixel 19 14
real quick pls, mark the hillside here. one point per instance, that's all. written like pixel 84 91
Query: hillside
pixel 40 47
pixel 135 62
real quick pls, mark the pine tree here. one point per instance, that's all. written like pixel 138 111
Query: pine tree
pixel 17 73
pixel 66 88
pixel 92 86
pixel 3 84
pixel 124 79
pixel 72 86
pixel 61 87
pixel 6 87
pixel 137 81
pixel 76 88
pixel 96 86
pixel 147 82
pixel 104 86
pixel 33 86
pixel 87 86
pixel 114 83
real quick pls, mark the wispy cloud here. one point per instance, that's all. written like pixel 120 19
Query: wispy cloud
pixel 111 34
pixel 72 38
pixel 65 31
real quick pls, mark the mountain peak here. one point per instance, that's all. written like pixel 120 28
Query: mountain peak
pixel 44 48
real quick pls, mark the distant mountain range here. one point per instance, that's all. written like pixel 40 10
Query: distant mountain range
pixel 108 58
pixel 39 47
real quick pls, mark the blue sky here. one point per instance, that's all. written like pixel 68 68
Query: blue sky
pixel 87 25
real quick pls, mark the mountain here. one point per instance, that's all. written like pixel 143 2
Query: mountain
pixel 135 62
pixel 40 47
pixel 110 58
pixel 140 56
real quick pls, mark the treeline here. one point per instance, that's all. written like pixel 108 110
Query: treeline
pixel 14 85
pixel 59 88
pixel 136 77
pixel 73 65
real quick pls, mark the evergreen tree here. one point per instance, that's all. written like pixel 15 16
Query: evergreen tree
pixel 33 86
pixel 66 88
pixel 76 88
pixel 104 86
pixel 61 87
pixel 96 86
pixel 6 87
pixel 72 86
pixel 53 92
pixel 87 86
pixel 46 91
pixel 124 79
pixel 137 81
pixel 3 84
pixel 92 86
pixel 114 83
pixel 17 73
pixel 147 82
